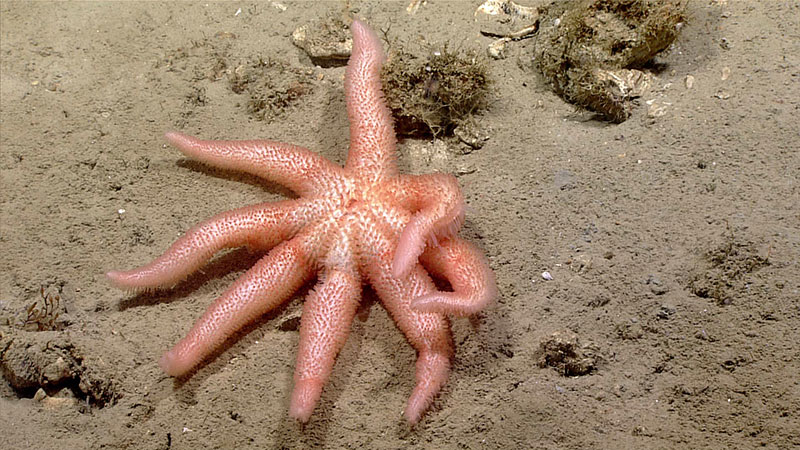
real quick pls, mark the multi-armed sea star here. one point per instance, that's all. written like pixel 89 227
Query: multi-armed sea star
pixel 361 223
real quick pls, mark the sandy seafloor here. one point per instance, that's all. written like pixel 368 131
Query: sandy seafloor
pixel 621 216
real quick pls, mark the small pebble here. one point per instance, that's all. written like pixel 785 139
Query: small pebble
pixel 40 395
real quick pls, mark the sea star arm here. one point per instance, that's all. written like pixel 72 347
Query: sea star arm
pixel 259 226
pixel 428 333
pixel 465 267
pixel 372 138
pixel 327 315
pixel 438 207
pixel 266 285
pixel 297 168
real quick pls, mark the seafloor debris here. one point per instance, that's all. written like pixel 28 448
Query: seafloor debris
pixel 414 6
pixel 563 352
pixel 326 41
pixel 434 94
pixel 591 51
pixel 724 271
pixel 271 86
pixel 50 361
pixel 507 8
pixel 42 314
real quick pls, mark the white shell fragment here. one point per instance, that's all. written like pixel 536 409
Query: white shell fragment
pixel 689 81
pixel 507 7
pixel 546 275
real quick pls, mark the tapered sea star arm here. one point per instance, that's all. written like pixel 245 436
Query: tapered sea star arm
pixel 327 315
pixel 438 207
pixel 258 226
pixel 265 286
pixel 429 333
pixel 372 138
pixel 297 168
pixel 465 267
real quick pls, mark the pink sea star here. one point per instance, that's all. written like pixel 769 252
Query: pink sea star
pixel 360 223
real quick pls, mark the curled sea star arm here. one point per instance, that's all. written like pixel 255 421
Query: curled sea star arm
pixel 258 226
pixel 325 324
pixel 265 286
pixel 465 267
pixel 297 168
pixel 438 207
pixel 372 139
pixel 428 333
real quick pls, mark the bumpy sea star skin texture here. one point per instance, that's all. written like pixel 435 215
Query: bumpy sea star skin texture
pixel 363 223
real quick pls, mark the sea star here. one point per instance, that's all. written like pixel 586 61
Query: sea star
pixel 360 223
